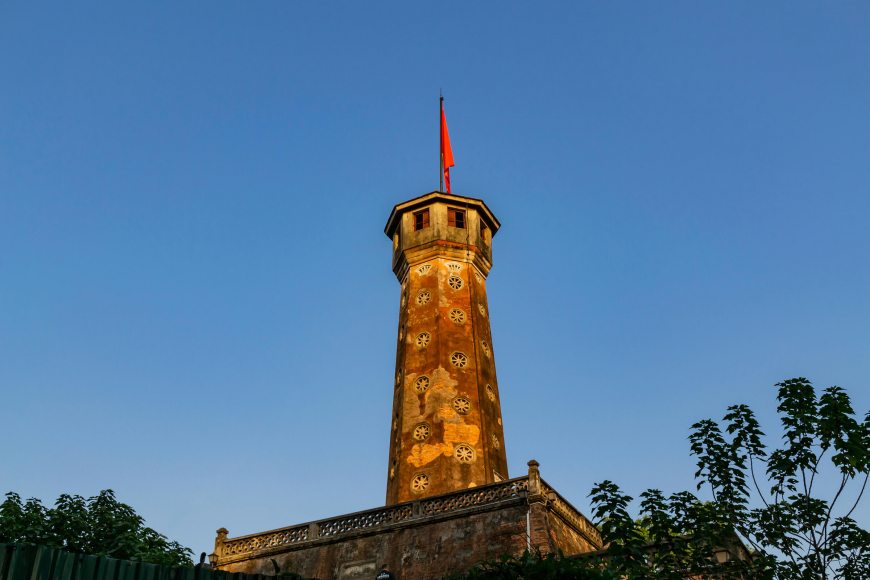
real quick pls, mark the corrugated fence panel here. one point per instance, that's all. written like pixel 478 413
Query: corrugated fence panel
pixel 127 571
pixel 5 560
pixel 148 572
pixel 42 563
pixel 165 573
pixel 64 568
pixel 21 561
pixel 24 562
pixel 106 569
pixel 87 568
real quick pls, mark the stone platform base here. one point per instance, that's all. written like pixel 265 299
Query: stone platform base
pixel 420 540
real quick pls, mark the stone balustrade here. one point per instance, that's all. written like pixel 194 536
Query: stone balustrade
pixel 251 545
pixel 530 488
pixel 571 514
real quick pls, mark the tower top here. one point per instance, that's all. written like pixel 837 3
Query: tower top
pixel 439 196
pixel 461 227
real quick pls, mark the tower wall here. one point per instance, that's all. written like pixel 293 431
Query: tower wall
pixel 447 430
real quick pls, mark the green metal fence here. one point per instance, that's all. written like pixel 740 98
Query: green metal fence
pixel 24 562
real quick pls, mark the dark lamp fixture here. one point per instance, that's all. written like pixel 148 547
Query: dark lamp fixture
pixel 212 559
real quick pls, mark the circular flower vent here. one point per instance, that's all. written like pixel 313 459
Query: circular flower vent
pixel 464 453
pixel 454 282
pixel 462 405
pixel 421 385
pixel 490 393
pixel 459 360
pixel 456 316
pixel 422 431
pixel 423 298
pixel 420 483
pixel 423 339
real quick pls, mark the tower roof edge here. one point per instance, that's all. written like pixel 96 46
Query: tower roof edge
pixel 427 198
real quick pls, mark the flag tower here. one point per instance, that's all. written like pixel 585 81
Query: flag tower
pixel 450 501
pixel 446 427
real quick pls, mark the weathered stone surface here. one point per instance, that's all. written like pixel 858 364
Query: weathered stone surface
pixel 423 539
pixel 443 311
pixel 429 549
pixel 426 551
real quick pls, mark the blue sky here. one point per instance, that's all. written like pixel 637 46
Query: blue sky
pixel 196 303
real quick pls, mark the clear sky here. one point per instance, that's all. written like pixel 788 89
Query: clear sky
pixel 196 303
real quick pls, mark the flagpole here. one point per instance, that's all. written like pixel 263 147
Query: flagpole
pixel 441 151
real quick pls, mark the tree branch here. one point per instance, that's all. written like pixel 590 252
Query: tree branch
pixel 859 495
pixel 757 488
pixel 815 541
pixel 831 508
pixel 816 469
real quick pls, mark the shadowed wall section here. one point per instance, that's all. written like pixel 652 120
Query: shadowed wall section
pixel 422 539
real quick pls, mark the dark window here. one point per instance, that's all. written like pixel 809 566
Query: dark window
pixel 456 218
pixel 484 232
pixel 421 220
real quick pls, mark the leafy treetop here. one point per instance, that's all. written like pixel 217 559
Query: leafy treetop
pixel 99 526
pixel 793 533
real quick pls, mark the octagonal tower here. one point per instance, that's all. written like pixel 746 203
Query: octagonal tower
pixel 446 426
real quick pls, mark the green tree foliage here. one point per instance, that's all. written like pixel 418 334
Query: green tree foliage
pixel 769 500
pixel 99 526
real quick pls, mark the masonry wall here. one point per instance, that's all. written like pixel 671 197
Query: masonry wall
pixel 561 536
pixel 426 549
pixel 446 426
pixel 412 552
pixel 451 321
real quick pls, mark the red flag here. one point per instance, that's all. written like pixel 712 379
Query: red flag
pixel 446 151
